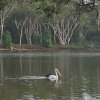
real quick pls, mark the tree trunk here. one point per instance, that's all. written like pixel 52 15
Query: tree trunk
pixel 20 38
pixel 2 25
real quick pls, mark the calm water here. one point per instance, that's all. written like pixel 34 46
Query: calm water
pixel 80 75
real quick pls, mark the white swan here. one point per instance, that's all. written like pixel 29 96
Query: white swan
pixel 53 77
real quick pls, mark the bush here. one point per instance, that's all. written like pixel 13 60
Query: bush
pixel 46 39
pixel 7 40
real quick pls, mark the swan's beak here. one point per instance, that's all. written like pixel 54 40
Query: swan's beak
pixel 59 73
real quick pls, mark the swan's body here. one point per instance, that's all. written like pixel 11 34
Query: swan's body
pixel 53 77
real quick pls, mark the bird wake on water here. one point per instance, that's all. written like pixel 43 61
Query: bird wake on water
pixel 48 76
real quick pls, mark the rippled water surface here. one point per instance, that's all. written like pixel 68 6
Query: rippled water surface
pixel 22 75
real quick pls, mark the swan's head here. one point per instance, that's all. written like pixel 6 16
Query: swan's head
pixel 56 70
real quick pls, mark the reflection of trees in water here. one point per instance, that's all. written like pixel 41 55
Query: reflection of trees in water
pixel 98 79
pixel 43 65
pixel 1 70
pixel 1 77
pixel 30 65
pixel 20 64
pixel 87 76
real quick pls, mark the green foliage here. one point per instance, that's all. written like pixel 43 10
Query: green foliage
pixel 46 39
pixel 85 18
pixel 7 40
pixel 2 3
pixel 38 10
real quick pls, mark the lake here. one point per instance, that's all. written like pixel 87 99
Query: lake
pixel 80 78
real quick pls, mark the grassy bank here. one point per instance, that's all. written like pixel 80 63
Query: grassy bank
pixel 23 47
pixel 37 47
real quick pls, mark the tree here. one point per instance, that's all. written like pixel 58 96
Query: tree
pixel 53 6
pixel 46 39
pixel 3 4
pixel 28 21
pixel 84 26
pixel 98 19
pixel 64 24
pixel 4 14
pixel 7 40
pixel 20 25
pixel 29 28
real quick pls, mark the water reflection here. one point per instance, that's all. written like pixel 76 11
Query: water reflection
pixel 32 78
pixel 87 96
pixel 80 74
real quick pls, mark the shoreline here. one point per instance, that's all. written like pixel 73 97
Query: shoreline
pixel 40 48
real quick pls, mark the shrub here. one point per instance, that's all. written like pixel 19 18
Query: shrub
pixel 7 40
pixel 46 39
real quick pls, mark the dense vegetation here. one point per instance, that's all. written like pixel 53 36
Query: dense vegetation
pixel 49 22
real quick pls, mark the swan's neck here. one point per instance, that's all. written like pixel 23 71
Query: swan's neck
pixel 56 75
